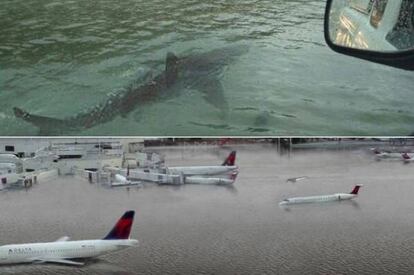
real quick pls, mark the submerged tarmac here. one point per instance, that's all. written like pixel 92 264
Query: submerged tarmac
pixel 240 230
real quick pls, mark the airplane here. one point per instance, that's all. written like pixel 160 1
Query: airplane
pixel 297 179
pixel 227 167
pixel 123 181
pixel 63 251
pixel 386 155
pixel 323 198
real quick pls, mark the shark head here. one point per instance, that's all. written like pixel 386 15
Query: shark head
pixel 171 68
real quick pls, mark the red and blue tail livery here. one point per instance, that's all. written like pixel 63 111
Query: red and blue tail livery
pixel 356 189
pixel 122 228
pixel 65 251
pixel 230 160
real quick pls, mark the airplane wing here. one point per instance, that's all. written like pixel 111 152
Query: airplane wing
pixel 63 239
pixel 56 260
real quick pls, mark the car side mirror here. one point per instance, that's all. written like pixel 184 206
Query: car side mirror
pixel 381 31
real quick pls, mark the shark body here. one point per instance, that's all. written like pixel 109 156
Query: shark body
pixel 198 71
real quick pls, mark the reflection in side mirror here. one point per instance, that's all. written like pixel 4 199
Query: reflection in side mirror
pixel 375 25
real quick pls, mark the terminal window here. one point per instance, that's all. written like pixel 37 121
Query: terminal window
pixel 9 148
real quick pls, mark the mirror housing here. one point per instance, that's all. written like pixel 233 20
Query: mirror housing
pixel 403 59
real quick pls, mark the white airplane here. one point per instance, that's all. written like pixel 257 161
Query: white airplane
pixel 386 155
pixel 323 198
pixel 62 251
pixel 296 179
pixel 217 181
pixel 227 167
pixel 123 181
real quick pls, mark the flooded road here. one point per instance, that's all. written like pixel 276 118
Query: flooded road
pixel 60 59
pixel 240 230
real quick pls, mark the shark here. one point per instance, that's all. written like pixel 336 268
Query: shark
pixel 200 72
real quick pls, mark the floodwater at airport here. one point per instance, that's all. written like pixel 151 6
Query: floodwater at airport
pixel 196 229
pixel 62 58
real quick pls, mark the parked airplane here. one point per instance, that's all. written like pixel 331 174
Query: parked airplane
pixel 323 198
pixel 227 167
pixel 123 181
pixel 62 251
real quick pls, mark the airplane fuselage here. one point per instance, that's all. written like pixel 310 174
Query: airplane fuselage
pixel 42 252
pixel 203 170
pixel 385 155
pixel 323 198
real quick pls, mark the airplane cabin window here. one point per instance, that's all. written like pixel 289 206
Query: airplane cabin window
pixel 378 10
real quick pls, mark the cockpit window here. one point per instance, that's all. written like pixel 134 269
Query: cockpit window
pixel 378 9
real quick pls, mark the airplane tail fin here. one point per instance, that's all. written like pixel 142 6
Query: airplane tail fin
pixel 122 228
pixel 356 189
pixel 230 160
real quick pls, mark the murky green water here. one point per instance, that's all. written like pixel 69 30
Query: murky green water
pixel 61 58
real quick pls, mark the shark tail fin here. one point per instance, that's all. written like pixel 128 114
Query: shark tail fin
pixel 230 160
pixel 20 113
pixel 122 228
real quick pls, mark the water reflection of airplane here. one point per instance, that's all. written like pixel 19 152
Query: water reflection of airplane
pixel 323 198
pixel 63 251
pixel 211 180
pixel 386 155
pixel 406 157
pixel 375 24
